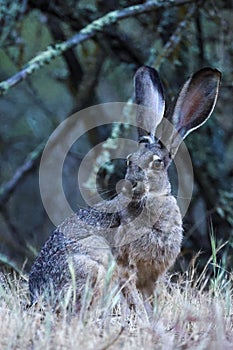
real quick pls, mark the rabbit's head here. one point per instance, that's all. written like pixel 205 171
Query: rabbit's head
pixel 160 138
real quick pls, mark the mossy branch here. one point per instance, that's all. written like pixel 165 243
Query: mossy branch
pixel 88 32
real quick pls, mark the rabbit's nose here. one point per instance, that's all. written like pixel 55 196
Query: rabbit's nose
pixel 125 187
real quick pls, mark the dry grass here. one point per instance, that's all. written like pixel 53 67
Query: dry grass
pixel 186 316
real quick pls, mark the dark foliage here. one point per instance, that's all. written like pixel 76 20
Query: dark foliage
pixel 177 38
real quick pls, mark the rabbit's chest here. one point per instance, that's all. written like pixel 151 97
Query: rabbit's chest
pixel 152 241
pixel 158 226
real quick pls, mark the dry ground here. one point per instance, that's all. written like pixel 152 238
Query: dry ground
pixel 187 315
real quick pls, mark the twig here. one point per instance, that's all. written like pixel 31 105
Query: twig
pixel 73 65
pixel 90 80
pixel 199 35
pixel 9 187
pixel 89 31
pixel 113 341
pixel 173 41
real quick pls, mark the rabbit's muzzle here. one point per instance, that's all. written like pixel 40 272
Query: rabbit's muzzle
pixel 149 178
pixel 133 189
pixel 135 183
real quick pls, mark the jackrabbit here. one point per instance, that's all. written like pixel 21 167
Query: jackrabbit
pixel 146 230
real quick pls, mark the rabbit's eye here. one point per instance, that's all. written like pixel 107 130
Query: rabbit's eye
pixel 156 163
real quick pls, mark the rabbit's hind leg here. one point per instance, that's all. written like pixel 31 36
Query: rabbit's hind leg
pixel 133 298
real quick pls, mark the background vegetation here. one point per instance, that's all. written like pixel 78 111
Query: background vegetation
pixel 176 37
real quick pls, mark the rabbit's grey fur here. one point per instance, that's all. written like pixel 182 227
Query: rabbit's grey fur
pixel 146 231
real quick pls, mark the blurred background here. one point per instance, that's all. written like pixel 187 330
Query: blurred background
pixel 177 38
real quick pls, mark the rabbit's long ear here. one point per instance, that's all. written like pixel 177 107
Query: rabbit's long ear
pixel 195 103
pixel 149 94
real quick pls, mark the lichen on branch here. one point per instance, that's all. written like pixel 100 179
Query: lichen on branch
pixel 89 31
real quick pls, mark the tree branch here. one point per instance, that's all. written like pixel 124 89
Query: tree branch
pixel 73 65
pixel 199 34
pixel 8 188
pixel 89 31
pixel 173 41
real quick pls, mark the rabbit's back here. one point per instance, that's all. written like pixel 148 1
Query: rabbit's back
pixel 75 252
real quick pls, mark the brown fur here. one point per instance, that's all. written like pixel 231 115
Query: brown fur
pixel 144 236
